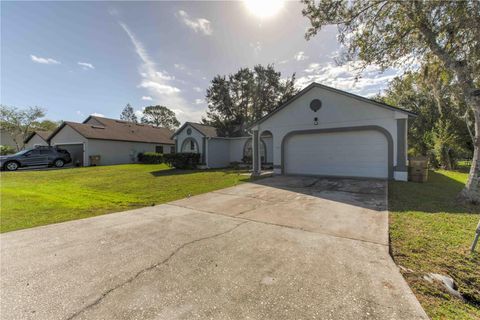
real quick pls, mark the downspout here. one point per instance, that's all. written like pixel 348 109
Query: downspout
pixel 206 152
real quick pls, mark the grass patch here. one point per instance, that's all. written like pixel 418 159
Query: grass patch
pixel 35 198
pixel 430 231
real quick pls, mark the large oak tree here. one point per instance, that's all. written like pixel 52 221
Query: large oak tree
pixel 389 33
pixel 236 101
pixel 160 116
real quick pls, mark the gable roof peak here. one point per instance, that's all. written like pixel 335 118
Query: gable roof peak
pixel 337 91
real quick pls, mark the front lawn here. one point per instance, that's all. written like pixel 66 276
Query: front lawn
pixel 35 198
pixel 431 232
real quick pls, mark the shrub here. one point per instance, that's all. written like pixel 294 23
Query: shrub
pixel 182 160
pixel 150 158
pixel 247 159
pixel 4 150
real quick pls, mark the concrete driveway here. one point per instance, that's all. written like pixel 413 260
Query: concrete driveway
pixel 279 248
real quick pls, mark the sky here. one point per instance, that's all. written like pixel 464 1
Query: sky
pixel 74 59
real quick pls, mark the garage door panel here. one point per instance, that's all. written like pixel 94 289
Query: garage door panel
pixel 358 154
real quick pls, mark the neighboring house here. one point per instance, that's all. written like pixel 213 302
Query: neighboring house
pixel 6 139
pixel 321 131
pixel 115 141
pixel 37 138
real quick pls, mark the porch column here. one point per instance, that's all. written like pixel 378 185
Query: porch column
pixel 255 153
pixel 400 171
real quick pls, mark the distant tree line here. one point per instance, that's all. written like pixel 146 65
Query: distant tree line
pixel 444 128
pixel 159 116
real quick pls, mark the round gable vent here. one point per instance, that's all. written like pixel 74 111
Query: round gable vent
pixel 315 105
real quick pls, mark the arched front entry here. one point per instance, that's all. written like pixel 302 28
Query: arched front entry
pixel 190 145
pixel 248 151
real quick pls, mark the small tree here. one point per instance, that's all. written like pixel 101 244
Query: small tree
pixel 160 116
pixel 128 114
pixel 19 122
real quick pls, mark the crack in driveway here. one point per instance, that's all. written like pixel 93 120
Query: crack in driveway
pixel 151 267
pixel 239 216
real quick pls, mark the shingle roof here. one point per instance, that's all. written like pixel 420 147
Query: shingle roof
pixel 43 134
pixel 112 129
pixel 206 130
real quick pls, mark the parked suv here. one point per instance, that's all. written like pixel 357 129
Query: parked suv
pixel 39 156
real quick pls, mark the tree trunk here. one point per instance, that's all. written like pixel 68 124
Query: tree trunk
pixel 471 192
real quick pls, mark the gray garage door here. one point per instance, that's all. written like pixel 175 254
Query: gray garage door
pixel 353 154
pixel 76 152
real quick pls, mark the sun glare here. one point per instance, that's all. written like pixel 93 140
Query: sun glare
pixel 264 8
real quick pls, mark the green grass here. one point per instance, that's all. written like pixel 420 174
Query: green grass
pixel 430 231
pixel 35 198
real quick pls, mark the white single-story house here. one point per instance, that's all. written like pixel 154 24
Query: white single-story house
pixel 115 141
pixel 321 131
pixel 36 139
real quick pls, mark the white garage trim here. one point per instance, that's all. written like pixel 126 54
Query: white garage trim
pixel 343 129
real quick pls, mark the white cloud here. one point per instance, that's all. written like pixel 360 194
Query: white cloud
pixel 180 66
pixel 199 101
pixel 86 65
pixel 43 60
pixel 197 89
pixel 159 83
pixel 113 12
pixel 160 74
pixel 300 56
pixel 147 98
pixel 96 114
pixel 162 89
pixel 139 113
pixel 312 67
pixel 164 75
pixel 196 24
pixel 257 47
pixel 346 77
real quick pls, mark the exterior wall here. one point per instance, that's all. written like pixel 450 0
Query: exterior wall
pixel 337 111
pixel 36 140
pixel 182 136
pixel 69 136
pixel 167 148
pixel 218 152
pixel 7 140
pixel 268 148
pixel 236 148
pixel 119 152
